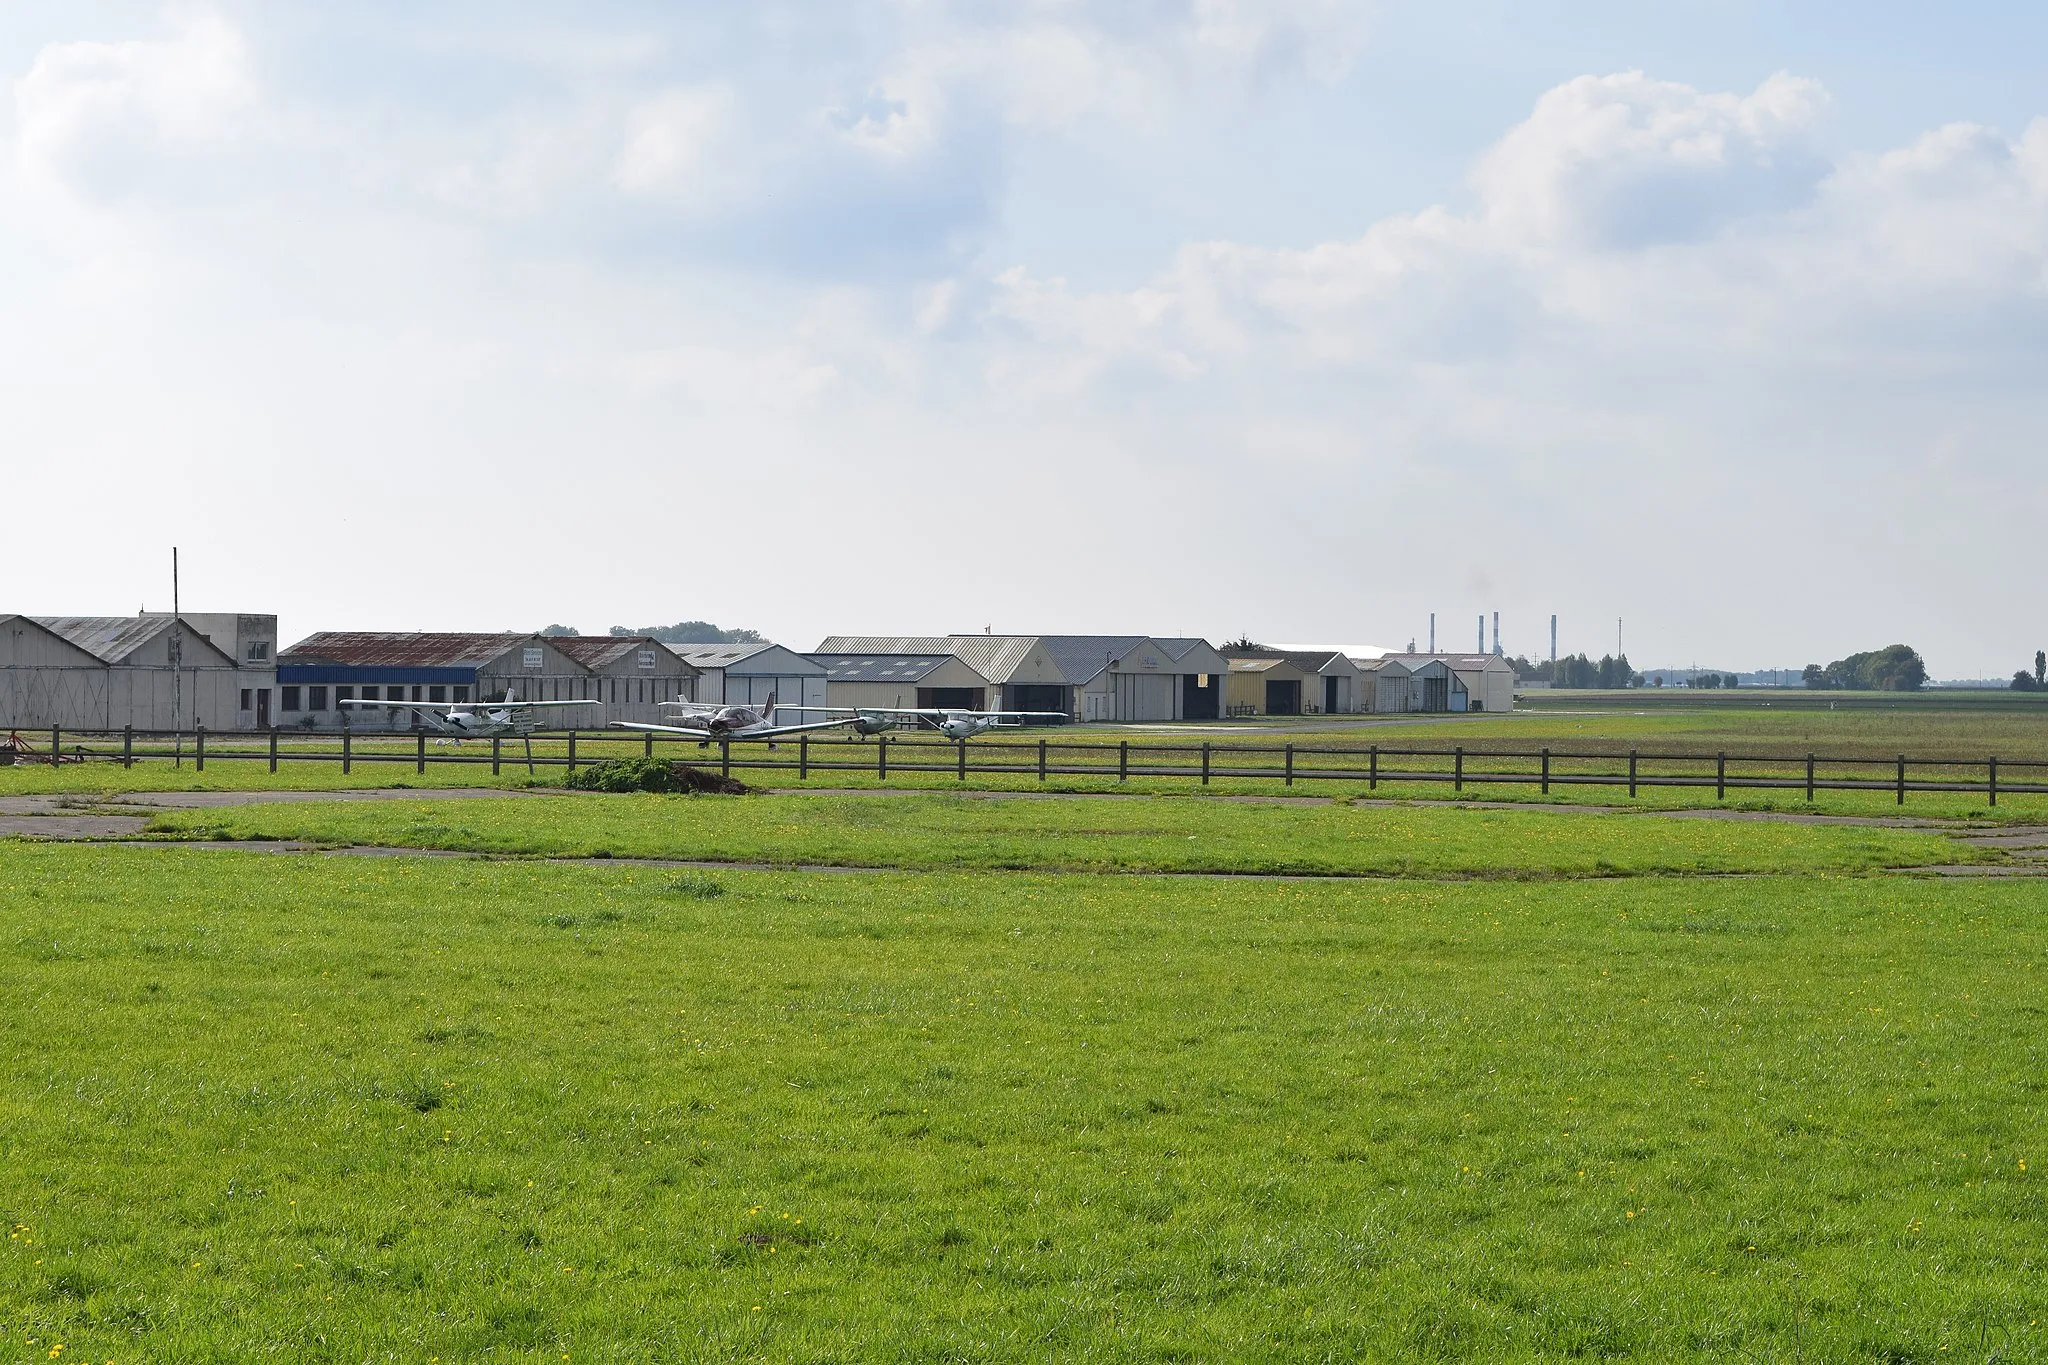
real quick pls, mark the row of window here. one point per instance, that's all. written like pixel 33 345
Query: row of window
pixel 315 698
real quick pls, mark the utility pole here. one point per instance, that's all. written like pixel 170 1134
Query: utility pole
pixel 177 665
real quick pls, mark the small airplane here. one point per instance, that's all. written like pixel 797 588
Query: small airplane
pixel 706 721
pixel 952 722
pixel 472 720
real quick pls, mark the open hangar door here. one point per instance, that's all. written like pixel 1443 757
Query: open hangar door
pixel 1201 696
pixel 1283 696
pixel 1039 697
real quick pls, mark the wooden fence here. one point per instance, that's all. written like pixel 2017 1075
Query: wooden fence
pixel 1458 767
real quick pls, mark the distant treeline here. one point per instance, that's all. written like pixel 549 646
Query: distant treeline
pixel 681 633
pixel 1895 668
pixel 1576 670
pixel 2037 681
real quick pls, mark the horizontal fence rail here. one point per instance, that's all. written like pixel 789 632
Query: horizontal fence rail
pixel 1458 767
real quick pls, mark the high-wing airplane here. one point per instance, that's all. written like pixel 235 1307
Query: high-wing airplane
pixel 951 722
pixel 472 720
pixel 706 721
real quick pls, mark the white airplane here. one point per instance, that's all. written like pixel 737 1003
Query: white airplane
pixel 949 721
pixel 706 721
pixel 472 720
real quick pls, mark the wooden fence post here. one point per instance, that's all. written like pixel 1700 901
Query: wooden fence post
pixel 497 753
pixel 1546 772
pixel 1993 780
pixel 962 757
pixel 1123 760
pixel 56 745
pixel 1631 773
pixel 1041 760
pixel 803 756
pixel 345 755
pixel 882 757
pixel 647 750
pixel 1372 770
pixel 199 748
pixel 1720 775
pixel 420 748
pixel 1902 779
pixel 273 748
pixel 1809 777
pixel 1290 765
pixel 725 758
pixel 572 751
pixel 128 746
pixel 1205 762
pixel 1458 768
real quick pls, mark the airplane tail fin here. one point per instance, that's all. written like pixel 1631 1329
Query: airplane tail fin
pixel 768 714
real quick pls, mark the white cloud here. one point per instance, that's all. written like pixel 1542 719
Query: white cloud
pixel 100 116
pixel 1625 160
pixel 669 141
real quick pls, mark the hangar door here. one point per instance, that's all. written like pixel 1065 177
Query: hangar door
pixel 1333 700
pixel 1200 694
pixel 1283 696
pixel 1040 697
pixel 1144 696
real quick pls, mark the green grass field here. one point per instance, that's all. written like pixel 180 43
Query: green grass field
pixel 327 1109
pixel 1098 834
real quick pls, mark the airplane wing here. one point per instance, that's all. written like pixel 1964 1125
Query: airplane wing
pixel 662 729
pixel 521 705
pixel 939 711
pixel 779 730
pixel 437 707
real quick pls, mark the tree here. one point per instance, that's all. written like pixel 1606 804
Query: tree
pixel 695 633
pixel 2023 681
pixel 1242 644
pixel 1895 668
pixel 559 630
pixel 2041 668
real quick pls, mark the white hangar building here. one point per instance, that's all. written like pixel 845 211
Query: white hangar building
pixel 1086 677
pixel 749 674
pixel 152 672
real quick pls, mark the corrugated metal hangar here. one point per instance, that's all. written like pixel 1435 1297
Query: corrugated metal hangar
pixel 1278 682
pixel 323 670
pixel 749 674
pixel 1087 677
pixel 151 671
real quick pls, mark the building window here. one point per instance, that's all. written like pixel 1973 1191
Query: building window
pixel 248 699
pixel 462 694
pixel 415 693
pixel 532 658
pixel 316 699
pixel 1201 679
pixel 290 700
pixel 259 650
pixel 437 694
pixel 342 694
pixel 647 658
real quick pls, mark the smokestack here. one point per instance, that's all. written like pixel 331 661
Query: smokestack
pixel 1496 632
pixel 1432 632
pixel 1553 637
pixel 1482 632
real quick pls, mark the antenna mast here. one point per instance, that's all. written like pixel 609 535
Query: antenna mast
pixel 177 661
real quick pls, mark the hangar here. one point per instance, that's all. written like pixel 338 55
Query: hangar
pixel 633 674
pixel 151 671
pixel 1279 682
pixel 934 678
pixel 1087 677
pixel 438 667
pixel 1451 682
pixel 749 674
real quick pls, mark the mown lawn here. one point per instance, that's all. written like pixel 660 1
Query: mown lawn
pixel 1083 834
pixel 338 1109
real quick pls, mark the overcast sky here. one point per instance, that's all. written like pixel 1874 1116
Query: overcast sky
pixel 1303 318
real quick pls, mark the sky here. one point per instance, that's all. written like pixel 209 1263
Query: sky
pixel 1726 321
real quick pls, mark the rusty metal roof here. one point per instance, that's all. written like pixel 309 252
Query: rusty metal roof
pixel 602 651
pixel 405 649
